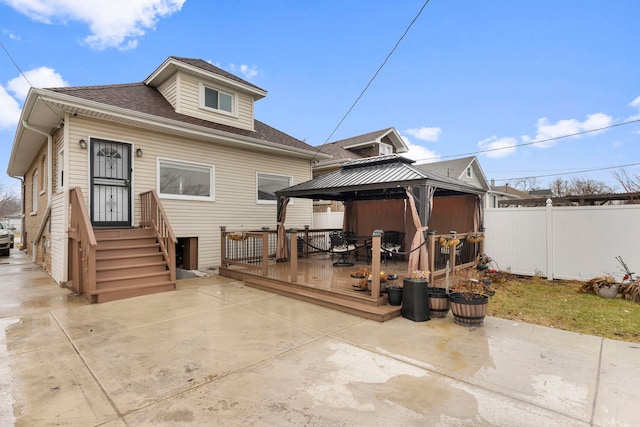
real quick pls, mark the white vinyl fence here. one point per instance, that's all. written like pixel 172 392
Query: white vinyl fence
pixel 578 242
pixel 575 243
pixel 322 220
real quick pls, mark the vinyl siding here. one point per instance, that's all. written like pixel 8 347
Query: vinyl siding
pixel 235 171
pixel 169 89
pixel 189 103
pixel 58 238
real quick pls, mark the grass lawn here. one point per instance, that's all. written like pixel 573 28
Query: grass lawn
pixel 558 304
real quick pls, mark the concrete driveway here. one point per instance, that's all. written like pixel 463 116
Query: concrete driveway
pixel 215 352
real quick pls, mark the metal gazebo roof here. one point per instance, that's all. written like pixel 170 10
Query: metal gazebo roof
pixel 372 178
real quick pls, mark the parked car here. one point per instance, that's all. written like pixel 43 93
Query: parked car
pixel 6 240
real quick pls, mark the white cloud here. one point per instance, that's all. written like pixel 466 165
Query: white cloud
pixel 11 35
pixel 38 77
pixel 113 23
pixel 497 148
pixel 425 133
pixel 9 110
pixel 547 130
pixel 19 87
pixel 419 153
pixel 635 104
pixel 248 72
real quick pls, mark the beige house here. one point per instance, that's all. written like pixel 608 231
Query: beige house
pixel 179 154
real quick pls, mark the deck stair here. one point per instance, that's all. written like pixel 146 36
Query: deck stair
pixel 355 304
pixel 129 262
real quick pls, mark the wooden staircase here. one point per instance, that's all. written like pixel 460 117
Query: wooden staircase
pixel 129 262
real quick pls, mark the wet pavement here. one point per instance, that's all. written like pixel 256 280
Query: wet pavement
pixel 216 352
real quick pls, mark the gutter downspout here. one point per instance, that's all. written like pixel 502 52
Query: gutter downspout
pixel 49 172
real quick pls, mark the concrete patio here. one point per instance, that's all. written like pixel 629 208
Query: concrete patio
pixel 216 352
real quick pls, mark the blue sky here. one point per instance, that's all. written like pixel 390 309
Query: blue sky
pixel 468 76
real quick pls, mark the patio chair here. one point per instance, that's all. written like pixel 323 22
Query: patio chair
pixel 341 246
pixel 391 243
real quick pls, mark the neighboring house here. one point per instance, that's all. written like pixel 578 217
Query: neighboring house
pixel 187 131
pixel 379 143
pixel 467 170
pixel 502 194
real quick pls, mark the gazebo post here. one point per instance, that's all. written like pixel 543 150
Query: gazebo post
pixel 294 255
pixel 375 263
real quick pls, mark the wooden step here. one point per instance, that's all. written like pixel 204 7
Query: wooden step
pixel 128 250
pixel 122 278
pixel 102 233
pixel 379 313
pixel 116 293
pixel 124 261
pixel 136 269
pixel 119 242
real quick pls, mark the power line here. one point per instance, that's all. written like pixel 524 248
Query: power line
pixel 24 76
pixel 555 138
pixel 572 173
pixel 377 72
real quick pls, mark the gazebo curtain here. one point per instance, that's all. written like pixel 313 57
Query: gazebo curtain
pixel 282 248
pixel 418 256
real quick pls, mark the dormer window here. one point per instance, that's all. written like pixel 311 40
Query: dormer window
pixel 217 100
pixel 385 149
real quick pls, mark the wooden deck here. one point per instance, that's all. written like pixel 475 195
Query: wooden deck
pixel 320 282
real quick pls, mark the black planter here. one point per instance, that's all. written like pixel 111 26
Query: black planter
pixel 438 303
pixel 415 300
pixel 468 310
pixel 394 294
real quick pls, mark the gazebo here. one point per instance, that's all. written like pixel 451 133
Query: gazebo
pixel 389 193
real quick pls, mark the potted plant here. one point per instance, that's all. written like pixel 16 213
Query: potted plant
pixel 394 290
pixel 469 298
pixel 359 279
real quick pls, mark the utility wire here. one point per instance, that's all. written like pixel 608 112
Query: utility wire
pixel 24 76
pixel 377 72
pixel 534 142
pixel 571 173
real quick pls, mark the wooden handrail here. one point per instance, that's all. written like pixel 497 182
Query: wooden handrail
pixel 45 218
pixel 83 245
pixel 154 217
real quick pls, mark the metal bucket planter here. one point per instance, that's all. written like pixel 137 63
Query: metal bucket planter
pixel 468 309
pixel 438 302
pixel 394 294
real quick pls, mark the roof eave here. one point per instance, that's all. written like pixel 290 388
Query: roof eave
pixel 119 114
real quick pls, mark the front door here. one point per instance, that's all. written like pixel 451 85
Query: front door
pixel 110 183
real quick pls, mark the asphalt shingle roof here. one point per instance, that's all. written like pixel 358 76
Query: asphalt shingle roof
pixel 146 99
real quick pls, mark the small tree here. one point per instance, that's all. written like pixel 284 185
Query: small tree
pixel 630 184
pixel 578 187
pixel 9 202
pixel 525 184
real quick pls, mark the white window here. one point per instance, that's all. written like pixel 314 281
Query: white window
pixel 469 172
pixel 185 180
pixel 34 192
pixel 268 184
pixel 385 149
pixel 60 170
pixel 217 100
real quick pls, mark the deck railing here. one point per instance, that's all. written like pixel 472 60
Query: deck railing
pixel 255 249
pixel 82 245
pixel 247 247
pixel 154 217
